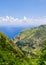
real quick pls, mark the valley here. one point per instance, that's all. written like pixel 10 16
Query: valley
pixel 27 48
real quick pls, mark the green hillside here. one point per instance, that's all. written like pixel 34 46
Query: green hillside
pixel 10 54
pixel 31 41
pixel 28 48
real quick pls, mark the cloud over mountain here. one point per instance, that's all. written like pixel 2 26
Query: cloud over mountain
pixel 17 22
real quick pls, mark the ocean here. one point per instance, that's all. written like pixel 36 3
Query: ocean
pixel 11 32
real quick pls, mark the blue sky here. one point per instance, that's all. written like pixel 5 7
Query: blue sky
pixel 17 15
pixel 20 8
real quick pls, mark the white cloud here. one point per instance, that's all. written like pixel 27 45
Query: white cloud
pixel 16 22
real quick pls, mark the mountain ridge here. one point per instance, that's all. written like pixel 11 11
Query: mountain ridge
pixel 10 54
pixel 31 39
pixel 28 48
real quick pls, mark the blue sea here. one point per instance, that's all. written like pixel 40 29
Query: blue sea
pixel 12 31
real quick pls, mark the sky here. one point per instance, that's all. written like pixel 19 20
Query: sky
pixel 19 13
pixel 20 8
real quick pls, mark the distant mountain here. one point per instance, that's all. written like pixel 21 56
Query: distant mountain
pixel 10 54
pixel 31 41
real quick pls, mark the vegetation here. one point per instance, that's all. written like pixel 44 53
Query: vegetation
pixel 28 48
pixel 32 42
pixel 10 54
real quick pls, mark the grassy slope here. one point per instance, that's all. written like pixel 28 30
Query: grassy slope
pixel 31 40
pixel 10 54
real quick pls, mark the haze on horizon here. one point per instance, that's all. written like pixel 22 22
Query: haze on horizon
pixel 21 14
